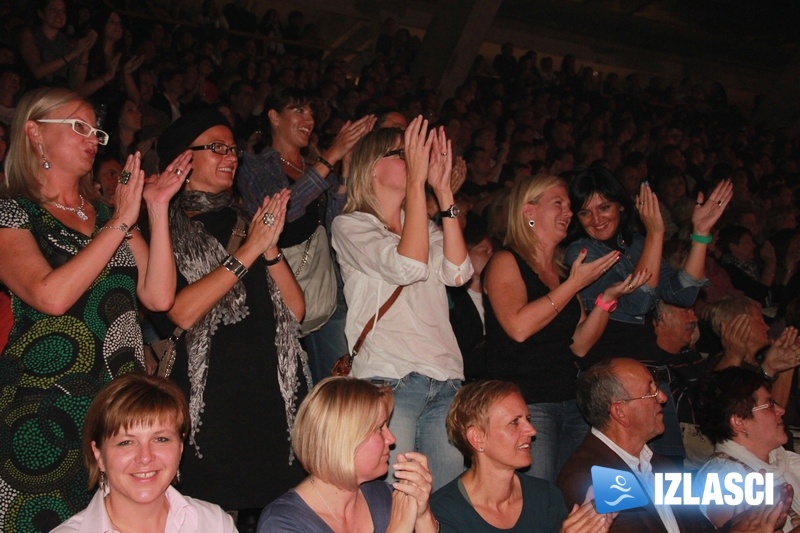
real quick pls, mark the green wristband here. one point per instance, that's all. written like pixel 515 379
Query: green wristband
pixel 702 239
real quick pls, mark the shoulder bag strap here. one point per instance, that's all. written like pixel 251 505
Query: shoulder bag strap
pixel 371 322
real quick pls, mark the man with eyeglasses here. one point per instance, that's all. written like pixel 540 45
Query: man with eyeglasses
pixel 621 401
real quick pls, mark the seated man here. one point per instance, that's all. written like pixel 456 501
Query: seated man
pixel 622 402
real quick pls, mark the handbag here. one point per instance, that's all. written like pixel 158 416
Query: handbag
pixel 159 356
pixel 344 364
pixel 312 265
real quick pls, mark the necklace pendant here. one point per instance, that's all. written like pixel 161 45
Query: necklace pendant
pixel 81 215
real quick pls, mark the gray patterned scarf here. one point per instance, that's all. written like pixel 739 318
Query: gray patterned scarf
pixel 197 253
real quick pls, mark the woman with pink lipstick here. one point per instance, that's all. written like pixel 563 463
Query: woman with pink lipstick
pixel 132 442
pixel 342 438
pixel 238 304
pixel 535 325
pixel 77 271
pixel 490 423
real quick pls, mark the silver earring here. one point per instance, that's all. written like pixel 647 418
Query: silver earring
pixel 531 223
pixel 45 162
pixel 480 449
pixel 104 484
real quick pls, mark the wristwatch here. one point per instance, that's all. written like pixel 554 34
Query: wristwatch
pixel 609 307
pixel 452 212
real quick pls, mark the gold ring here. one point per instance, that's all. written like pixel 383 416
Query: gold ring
pixel 124 176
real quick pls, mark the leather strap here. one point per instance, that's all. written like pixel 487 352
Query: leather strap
pixel 371 322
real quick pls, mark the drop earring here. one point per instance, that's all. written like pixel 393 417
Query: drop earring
pixel 104 484
pixel 45 162
pixel 531 223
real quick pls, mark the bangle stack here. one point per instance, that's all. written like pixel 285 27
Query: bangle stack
pixel 235 266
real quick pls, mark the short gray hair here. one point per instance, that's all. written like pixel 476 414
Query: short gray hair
pixel 598 388
pixel 729 308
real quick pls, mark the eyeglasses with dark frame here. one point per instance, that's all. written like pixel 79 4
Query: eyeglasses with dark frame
pixel 218 148
pixel 80 127
pixel 399 152
pixel 769 405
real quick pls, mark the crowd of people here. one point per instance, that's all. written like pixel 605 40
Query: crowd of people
pixel 549 269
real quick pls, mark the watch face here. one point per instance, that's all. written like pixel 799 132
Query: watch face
pixel 455 211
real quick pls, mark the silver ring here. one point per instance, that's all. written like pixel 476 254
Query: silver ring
pixel 178 171
pixel 719 203
pixel 605 270
pixel 630 286
pixel 444 154
pixel 268 219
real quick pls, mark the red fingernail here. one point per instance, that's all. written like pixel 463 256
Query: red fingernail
pixel 583 250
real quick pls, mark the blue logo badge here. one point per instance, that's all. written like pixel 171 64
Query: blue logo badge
pixel 616 490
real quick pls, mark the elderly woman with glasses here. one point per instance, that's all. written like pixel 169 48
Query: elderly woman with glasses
pixel 239 304
pixel 736 411
pixel 77 271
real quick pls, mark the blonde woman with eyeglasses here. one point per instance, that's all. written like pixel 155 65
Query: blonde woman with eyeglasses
pixel 77 271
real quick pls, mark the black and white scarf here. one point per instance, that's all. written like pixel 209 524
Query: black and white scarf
pixel 197 253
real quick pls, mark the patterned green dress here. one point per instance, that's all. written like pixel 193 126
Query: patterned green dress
pixel 52 368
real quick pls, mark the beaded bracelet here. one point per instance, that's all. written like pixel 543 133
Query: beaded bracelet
pixel 235 266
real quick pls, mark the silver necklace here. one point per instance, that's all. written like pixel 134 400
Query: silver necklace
pixel 326 503
pixel 77 210
pixel 300 170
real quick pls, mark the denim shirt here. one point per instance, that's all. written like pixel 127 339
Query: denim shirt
pixel 676 288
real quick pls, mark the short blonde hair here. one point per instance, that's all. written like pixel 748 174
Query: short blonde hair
pixel 729 308
pixel 128 401
pixel 470 408
pixel 23 161
pixel 366 153
pixel 333 420
pixel 519 235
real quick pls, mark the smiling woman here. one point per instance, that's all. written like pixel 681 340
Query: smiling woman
pixel 132 442
pixel 535 325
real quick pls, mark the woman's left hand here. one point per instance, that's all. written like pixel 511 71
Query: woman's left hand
pixel 415 478
pixel 649 211
pixel 160 188
pixel 706 214
pixel 440 164
pixel 628 285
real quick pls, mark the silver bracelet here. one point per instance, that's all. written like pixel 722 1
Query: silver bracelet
pixel 122 227
pixel 235 266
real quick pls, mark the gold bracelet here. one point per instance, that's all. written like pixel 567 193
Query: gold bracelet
pixel 552 303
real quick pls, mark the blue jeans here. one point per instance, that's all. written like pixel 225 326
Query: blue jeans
pixel 560 429
pixel 418 423
pixel 328 343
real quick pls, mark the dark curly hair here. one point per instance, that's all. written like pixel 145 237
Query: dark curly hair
pixel 720 395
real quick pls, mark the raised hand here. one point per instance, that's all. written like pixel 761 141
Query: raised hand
pixel 132 65
pixel 348 136
pixel 706 214
pixel 128 195
pixel 440 164
pixel 160 188
pixel 735 336
pixel 585 274
pixel 459 174
pixel 649 212
pixel 784 352
pixel 417 150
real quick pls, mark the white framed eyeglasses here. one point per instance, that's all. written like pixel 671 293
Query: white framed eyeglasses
pixel 80 127
pixel 769 405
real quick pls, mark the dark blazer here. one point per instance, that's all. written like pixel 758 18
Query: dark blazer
pixel 576 477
